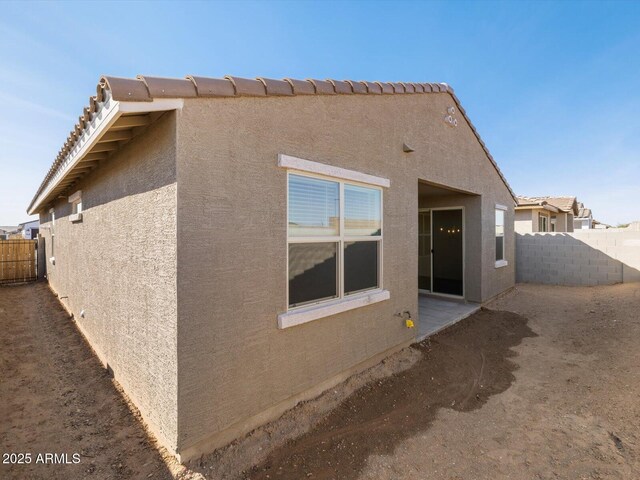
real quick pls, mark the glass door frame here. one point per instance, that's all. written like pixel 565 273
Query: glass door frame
pixel 464 233
pixel 427 210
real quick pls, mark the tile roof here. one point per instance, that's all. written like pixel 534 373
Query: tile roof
pixel 566 204
pixel 146 89
pixel 583 212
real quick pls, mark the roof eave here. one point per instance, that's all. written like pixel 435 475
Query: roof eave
pixel 537 206
pixel 104 119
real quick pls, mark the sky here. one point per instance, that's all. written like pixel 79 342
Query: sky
pixel 552 87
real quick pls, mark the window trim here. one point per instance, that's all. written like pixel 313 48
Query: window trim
pixel 76 207
pixel 331 172
pixel 345 301
pixel 309 313
pixel 541 216
pixel 340 239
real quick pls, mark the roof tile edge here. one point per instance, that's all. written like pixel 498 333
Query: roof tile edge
pixel 142 89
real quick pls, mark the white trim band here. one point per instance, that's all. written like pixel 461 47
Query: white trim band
pixel 501 207
pixel 295 163
pixel 501 263
pixel 304 315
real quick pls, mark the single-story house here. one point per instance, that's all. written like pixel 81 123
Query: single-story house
pixel 29 230
pixel 584 218
pixel 230 247
pixel 600 226
pixel 545 214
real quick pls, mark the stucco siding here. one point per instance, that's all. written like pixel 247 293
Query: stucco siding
pixel 233 360
pixel 524 221
pixel 118 267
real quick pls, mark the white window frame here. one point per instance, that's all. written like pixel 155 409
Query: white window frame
pixel 546 222
pixel 76 206
pixel 52 259
pixel 343 302
pixel 503 262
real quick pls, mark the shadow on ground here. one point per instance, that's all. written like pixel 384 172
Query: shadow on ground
pixel 460 369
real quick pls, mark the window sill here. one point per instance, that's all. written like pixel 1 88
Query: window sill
pixel 309 314
pixel 501 263
pixel 75 218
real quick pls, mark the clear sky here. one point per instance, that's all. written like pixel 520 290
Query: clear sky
pixel 553 87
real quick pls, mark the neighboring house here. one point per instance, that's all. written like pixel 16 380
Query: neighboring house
pixel 287 228
pixel 7 232
pixel 599 225
pixel 545 214
pixel 29 230
pixel 584 219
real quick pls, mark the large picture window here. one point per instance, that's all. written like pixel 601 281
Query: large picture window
pixel 334 239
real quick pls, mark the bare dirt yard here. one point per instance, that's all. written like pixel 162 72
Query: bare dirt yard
pixel 56 398
pixel 544 383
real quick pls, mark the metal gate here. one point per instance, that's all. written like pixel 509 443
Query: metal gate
pixel 18 261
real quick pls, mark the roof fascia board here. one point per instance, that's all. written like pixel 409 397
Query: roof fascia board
pixel 156 105
pixel 97 127
pixel 550 208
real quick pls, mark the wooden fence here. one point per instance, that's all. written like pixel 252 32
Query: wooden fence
pixel 18 261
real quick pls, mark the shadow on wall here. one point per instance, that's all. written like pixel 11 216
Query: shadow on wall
pixel 594 258
pixel 313 270
pixel 144 164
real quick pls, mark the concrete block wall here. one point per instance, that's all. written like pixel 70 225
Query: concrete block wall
pixel 590 257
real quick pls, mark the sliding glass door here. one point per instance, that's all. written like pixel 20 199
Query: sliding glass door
pixel 447 251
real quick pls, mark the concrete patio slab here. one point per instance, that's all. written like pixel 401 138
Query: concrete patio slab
pixel 435 314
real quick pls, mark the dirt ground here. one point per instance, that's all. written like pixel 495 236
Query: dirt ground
pixel 542 384
pixel 55 397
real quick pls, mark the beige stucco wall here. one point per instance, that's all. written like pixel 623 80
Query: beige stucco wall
pixel 119 266
pixel 526 220
pixel 234 363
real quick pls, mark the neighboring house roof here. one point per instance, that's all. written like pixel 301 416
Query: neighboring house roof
pixel 564 204
pixel 528 202
pixel 583 212
pixel 122 104
pixel 28 222
pixel 8 229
